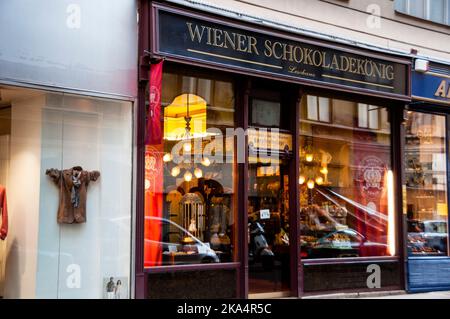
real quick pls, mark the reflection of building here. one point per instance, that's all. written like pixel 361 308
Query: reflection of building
pixel 64 103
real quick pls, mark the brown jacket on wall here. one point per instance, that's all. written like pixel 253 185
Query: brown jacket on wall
pixel 72 184
pixel 3 213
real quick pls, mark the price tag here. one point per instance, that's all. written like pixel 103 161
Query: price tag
pixel 264 214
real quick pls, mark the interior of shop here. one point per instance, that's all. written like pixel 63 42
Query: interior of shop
pixel 426 184
pixel 190 174
pixel 345 181
pixel 345 163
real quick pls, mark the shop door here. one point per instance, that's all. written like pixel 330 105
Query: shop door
pixel 268 228
pixel 268 212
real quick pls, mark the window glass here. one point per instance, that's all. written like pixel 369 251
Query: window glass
pixel 373 116
pixel 266 113
pixel 417 8
pixel 426 184
pixel 312 108
pixel 324 109
pixel 66 170
pixel 432 10
pixel 448 12
pixel 343 112
pixel 362 115
pixel 190 177
pixel 400 5
pixel 437 10
pixel 346 188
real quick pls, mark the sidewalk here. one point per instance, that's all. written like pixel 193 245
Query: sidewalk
pixel 425 295
pixel 396 294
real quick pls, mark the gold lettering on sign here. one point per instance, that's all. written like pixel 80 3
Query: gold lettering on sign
pixel 300 56
pixel 195 33
pixel 443 90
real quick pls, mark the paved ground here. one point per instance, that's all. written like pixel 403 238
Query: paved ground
pixel 396 294
pixel 427 295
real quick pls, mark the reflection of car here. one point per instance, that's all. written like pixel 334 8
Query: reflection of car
pixel 188 249
pixel 342 243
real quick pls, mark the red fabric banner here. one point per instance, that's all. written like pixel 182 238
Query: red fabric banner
pixel 153 205
pixel 154 130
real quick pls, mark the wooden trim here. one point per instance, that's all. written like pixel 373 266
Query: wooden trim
pixel 191 267
pixel 284 78
pixel 141 291
pixel 426 99
pixel 242 121
pixel 349 291
pixel 397 158
pixel 270 295
pixel 447 153
pixel 294 195
pixel 355 260
pixel 439 75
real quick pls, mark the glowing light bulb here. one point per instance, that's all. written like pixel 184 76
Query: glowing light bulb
pixel 187 147
pixel 206 162
pixel 175 171
pixel 198 172
pixel 324 170
pixel 147 184
pixel 167 157
pixel 319 180
pixel 188 176
pixel 310 184
pixel 309 157
pixel 301 179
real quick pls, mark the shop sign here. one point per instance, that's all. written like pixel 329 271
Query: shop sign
pixel 199 38
pixel 432 87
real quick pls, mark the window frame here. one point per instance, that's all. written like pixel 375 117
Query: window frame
pixel 368 110
pixel 317 107
pixel 200 73
pixel 404 7
pixel 434 110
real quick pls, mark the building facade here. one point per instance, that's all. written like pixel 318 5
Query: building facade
pixel 223 149
pixel 332 210
pixel 68 85
pixel 426 178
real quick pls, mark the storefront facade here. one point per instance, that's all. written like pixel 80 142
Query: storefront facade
pixel 279 164
pixel 426 178
pixel 66 149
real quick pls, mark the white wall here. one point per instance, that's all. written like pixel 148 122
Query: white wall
pixel 76 44
pixel 23 197
pixel 4 173
pixel 74 259
pixel 45 259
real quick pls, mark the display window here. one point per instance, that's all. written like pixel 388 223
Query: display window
pixel 190 176
pixel 426 184
pixel 345 179
pixel 65 195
